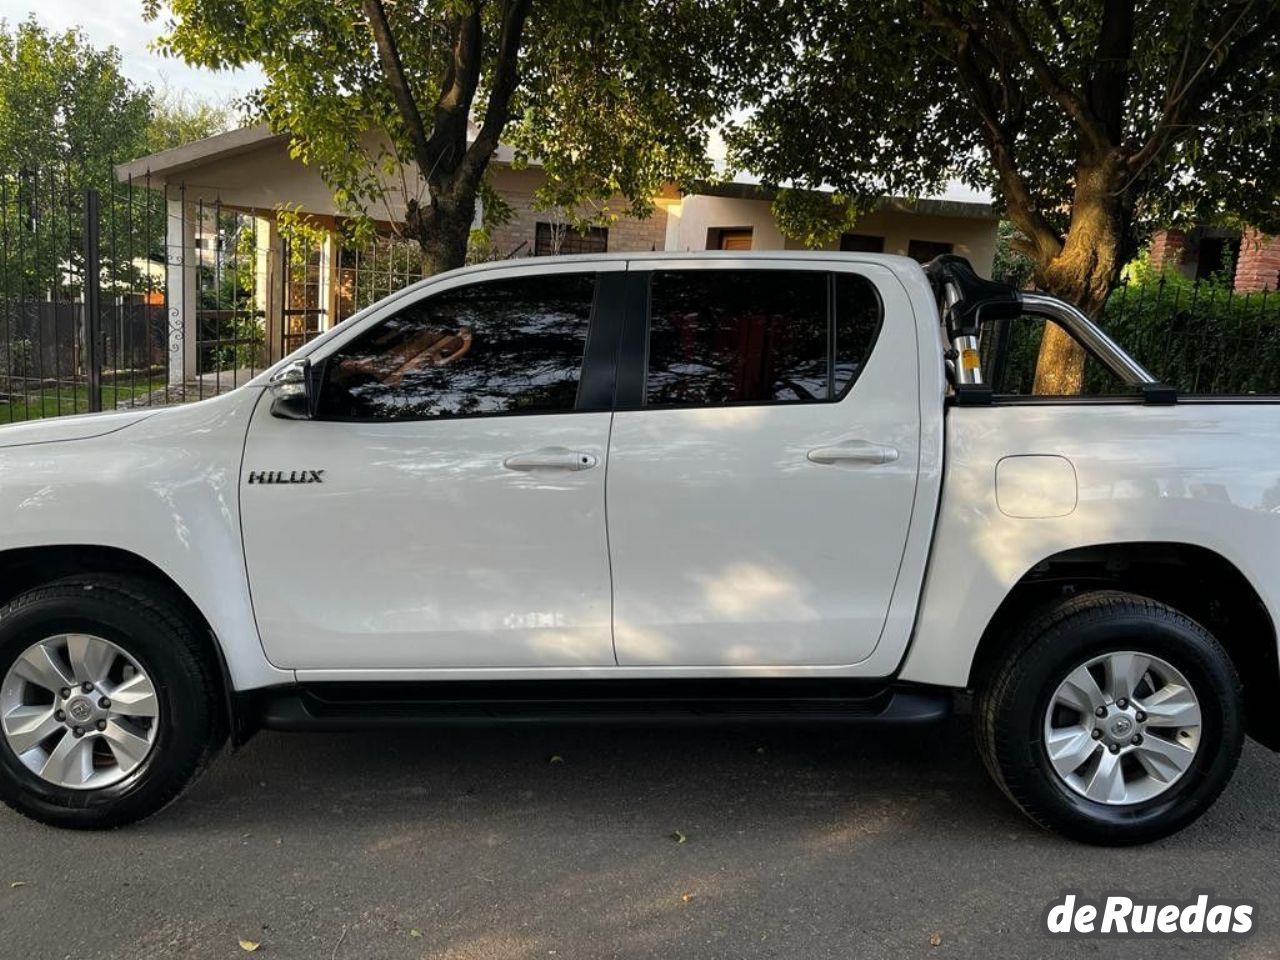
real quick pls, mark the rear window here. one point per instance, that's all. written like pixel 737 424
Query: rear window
pixel 721 337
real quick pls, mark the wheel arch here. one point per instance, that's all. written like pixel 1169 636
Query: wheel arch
pixel 1192 579
pixel 23 568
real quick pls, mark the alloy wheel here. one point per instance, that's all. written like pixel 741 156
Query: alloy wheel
pixel 78 711
pixel 1122 728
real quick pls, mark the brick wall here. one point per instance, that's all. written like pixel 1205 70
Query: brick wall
pixel 1259 264
pixel 625 235
pixel 1167 247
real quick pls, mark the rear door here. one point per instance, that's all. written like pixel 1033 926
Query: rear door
pixel 762 462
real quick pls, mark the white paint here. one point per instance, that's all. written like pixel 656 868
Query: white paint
pixel 422 558
pixel 1035 487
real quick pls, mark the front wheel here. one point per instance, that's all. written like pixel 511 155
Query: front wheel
pixel 107 707
pixel 1116 720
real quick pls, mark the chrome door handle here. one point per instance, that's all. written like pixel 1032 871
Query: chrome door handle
pixel 855 451
pixel 550 458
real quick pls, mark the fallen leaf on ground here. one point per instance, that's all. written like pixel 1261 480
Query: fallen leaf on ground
pixel 935 939
pixel 556 758
pixel 686 896
pixel 16 884
pixel 416 934
pixel 249 946
pixel 678 837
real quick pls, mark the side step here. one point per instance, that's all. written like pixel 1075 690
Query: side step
pixel 355 706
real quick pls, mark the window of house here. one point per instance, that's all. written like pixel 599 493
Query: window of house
pixel 501 347
pixel 729 238
pixel 861 243
pixel 923 251
pixel 757 336
pixel 551 239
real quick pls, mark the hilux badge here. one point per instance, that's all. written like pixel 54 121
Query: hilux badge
pixel 280 476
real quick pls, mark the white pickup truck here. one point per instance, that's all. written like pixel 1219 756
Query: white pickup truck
pixel 728 487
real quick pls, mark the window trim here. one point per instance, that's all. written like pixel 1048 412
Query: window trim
pixel 631 388
pixel 599 354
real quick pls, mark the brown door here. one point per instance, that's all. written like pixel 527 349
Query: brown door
pixel 735 239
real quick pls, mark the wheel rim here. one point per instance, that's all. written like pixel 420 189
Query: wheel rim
pixel 78 711
pixel 1122 728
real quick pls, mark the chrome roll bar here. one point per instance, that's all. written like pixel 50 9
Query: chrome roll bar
pixel 1089 335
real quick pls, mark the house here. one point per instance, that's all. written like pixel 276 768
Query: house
pixel 1251 256
pixel 241 293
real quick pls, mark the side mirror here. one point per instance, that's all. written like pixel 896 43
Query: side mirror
pixel 293 392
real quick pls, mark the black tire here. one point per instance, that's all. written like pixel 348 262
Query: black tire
pixel 1010 710
pixel 144 623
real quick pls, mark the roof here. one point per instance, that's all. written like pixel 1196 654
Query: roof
pixel 935 206
pixel 166 163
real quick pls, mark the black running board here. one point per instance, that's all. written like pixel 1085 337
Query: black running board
pixel 354 706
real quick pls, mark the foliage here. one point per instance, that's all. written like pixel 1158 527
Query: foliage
pixel 814 217
pixel 1200 337
pixel 1090 120
pixel 65 105
pixel 1010 265
pixel 409 99
pixel 178 118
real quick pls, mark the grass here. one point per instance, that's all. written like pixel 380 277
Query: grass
pixel 72 399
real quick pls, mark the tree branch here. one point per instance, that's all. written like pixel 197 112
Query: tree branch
pixel 393 70
pixel 1023 209
pixel 1108 84
pixel 1048 78
pixel 1204 82
pixel 506 79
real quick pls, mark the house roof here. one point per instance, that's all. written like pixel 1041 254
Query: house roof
pixel 935 206
pixel 177 160
pixel 181 164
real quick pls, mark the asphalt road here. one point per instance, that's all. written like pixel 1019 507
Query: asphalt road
pixel 804 844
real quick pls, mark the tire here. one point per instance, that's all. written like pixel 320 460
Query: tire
pixel 145 633
pixel 1026 706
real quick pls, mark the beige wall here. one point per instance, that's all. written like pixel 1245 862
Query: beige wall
pixel 517 188
pixel 689 222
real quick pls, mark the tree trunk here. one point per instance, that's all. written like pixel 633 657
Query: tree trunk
pixel 1084 271
pixel 442 228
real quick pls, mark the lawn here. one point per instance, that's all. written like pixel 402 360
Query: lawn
pixel 72 399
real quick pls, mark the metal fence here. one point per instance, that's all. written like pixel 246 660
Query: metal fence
pixel 127 295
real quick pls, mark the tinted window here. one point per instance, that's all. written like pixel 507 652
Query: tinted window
pixel 507 346
pixel 756 336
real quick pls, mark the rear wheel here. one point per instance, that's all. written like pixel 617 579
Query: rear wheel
pixel 107 708
pixel 1116 720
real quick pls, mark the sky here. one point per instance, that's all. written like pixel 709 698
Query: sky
pixel 119 23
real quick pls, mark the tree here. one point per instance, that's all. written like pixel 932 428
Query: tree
pixel 612 98
pixel 65 106
pixel 1089 119
pixel 178 118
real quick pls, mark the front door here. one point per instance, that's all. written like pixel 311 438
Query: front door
pixel 449 503
pixel 761 483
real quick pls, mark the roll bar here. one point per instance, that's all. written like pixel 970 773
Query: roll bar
pixel 966 301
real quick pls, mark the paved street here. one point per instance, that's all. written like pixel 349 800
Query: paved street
pixel 802 844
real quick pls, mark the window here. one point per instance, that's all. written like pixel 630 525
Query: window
pixel 861 243
pixel 923 251
pixel 550 239
pixel 757 336
pixel 506 346
pixel 729 238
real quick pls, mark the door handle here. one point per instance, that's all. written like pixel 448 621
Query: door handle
pixel 550 458
pixel 855 451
